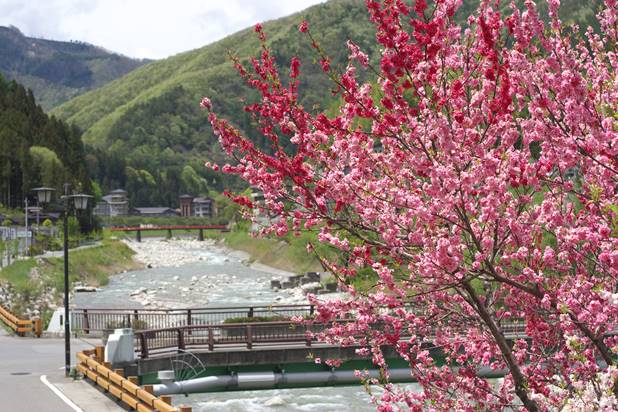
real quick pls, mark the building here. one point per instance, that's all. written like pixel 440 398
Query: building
pixel 203 207
pixel 154 212
pixel 198 206
pixel 115 203
pixel 186 205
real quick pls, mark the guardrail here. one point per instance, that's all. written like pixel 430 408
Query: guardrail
pixel 21 326
pixel 91 365
pixel 99 320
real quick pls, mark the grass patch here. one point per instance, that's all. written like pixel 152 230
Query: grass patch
pixel 93 265
pixel 285 253
pixel 33 277
pixel 17 274
pixel 289 253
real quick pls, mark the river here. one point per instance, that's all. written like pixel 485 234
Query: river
pixel 200 274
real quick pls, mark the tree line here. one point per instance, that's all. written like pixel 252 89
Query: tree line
pixel 35 149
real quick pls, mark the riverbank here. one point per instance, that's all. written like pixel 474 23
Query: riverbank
pixel 34 286
pixel 287 253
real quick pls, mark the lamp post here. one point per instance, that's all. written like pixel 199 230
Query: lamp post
pixel 26 228
pixel 80 202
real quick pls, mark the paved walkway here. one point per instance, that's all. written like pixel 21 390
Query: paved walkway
pixel 27 364
pixel 60 253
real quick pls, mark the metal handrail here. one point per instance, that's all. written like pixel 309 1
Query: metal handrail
pixel 243 334
pixel 89 320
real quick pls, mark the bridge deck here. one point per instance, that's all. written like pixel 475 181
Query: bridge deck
pixel 166 227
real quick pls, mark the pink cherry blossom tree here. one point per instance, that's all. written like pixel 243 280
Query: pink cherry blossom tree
pixel 476 176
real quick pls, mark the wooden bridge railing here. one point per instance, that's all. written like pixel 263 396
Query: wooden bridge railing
pixel 21 326
pixel 91 365
pixel 98 320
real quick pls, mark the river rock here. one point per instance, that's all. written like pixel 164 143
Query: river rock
pixel 77 289
pixel 275 284
pixel 312 285
pixel 275 401
pixel 138 292
pixel 313 276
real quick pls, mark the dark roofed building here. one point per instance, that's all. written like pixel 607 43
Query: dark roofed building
pixel 154 211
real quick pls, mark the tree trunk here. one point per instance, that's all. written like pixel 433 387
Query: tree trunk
pixel 518 378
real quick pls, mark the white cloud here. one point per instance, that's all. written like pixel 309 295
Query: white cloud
pixel 142 28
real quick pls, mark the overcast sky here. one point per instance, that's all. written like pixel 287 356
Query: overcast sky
pixel 142 28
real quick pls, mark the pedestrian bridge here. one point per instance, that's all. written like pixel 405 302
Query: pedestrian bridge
pixel 241 348
pixel 139 229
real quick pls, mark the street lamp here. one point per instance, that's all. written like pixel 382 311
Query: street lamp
pixel 80 202
pixel 44 194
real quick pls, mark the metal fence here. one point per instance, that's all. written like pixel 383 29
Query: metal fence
pixel 241 335
pixel 89 321
pixel 248 335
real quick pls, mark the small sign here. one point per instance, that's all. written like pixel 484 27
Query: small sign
pixel 24 233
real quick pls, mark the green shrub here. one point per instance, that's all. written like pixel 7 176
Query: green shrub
pixel 253 319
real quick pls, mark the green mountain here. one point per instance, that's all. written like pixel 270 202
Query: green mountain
pixel 57 71
pixel 147 132
pixel 35 149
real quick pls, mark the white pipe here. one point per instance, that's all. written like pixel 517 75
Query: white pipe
pixel 271 380
pixel 208 383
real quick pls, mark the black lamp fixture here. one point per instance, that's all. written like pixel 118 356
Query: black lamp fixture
pixel 80 202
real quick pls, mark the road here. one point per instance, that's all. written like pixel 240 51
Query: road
pixel 23 361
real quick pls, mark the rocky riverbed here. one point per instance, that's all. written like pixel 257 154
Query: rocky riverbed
pixel 190 273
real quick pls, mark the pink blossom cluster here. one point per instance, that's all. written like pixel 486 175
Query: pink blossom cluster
pixel 477 178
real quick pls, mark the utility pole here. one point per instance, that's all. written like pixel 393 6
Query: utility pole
pixel 26 231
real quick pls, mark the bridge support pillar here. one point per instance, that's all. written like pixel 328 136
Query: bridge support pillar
pixel 200 235
pixel 169 233
pixel 138 235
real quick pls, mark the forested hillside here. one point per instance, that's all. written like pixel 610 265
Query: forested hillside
pixel 35 150
pixel 57 71
pixel 148 132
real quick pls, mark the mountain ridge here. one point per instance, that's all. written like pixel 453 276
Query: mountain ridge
pixel 55 70
pixel 149 125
